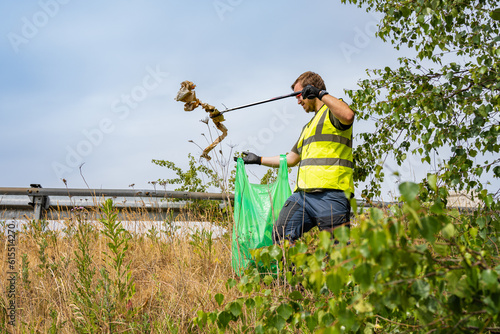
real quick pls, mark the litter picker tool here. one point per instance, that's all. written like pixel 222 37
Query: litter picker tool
pixel 187 95
pixel 260 102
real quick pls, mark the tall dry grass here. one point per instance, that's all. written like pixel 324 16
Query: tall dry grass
pixel 83 279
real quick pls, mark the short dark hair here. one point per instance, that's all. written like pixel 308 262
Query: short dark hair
pixel 310 78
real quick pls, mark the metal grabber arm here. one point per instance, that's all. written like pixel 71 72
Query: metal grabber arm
pixel 187 95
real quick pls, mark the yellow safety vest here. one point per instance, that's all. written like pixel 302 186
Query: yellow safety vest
pixel 325 155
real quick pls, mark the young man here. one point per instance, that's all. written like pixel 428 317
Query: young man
pixel 324 155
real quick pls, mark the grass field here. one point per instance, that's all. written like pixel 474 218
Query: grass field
pixel 95 276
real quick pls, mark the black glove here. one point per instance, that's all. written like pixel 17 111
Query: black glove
pixel 311 92
pixel 250 158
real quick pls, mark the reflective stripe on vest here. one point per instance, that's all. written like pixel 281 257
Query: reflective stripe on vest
pixel 325 155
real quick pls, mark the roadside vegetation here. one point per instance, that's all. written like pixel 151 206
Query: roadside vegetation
pixel 95 276
pixel 415 267
pixel 418 266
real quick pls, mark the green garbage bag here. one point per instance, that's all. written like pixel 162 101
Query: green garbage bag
pixel 256 208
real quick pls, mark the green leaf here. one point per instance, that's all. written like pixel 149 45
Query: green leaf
pixel 376 214
pixel 462 289
pixel 495 14
pixel 363 275
pixel 259 301
pixel 311 323
pixel 213 317
pixel 473 232
pixel 231 283
pixel 317 279
pixel 429 227
pixel 275 252
pixel 219 298
pixel 363 306
pixel 496 171
pixel 347 318
pixel 262 254
pixel 377 241
pixel 448 231
pixel 224 318
pixel 201 319
pixel 354 204
pixel 326 320
pixel 441 249
pixel 301 247
pixel 295 295
pixel 325 240
pixel 250 303
pixel 342 234
pixel 490 278
pixel 333 282
pixel 277 322
pixel 421 289
pixel 268 279
pixel 409 191
pixel 235 308
pixel 285 311
pixel 432 180
pixel 336 279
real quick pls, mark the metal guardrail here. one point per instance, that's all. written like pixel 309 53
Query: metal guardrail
pixel 39 199
pixel 35 190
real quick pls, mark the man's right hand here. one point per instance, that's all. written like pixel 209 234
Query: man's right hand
pixel 250 158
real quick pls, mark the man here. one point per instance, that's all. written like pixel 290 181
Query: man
pixel 324 155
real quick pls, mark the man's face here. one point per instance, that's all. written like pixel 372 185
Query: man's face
pixel 307 104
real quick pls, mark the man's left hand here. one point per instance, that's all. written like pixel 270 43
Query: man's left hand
pixel 311 92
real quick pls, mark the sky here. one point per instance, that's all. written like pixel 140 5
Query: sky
pixel 87 88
